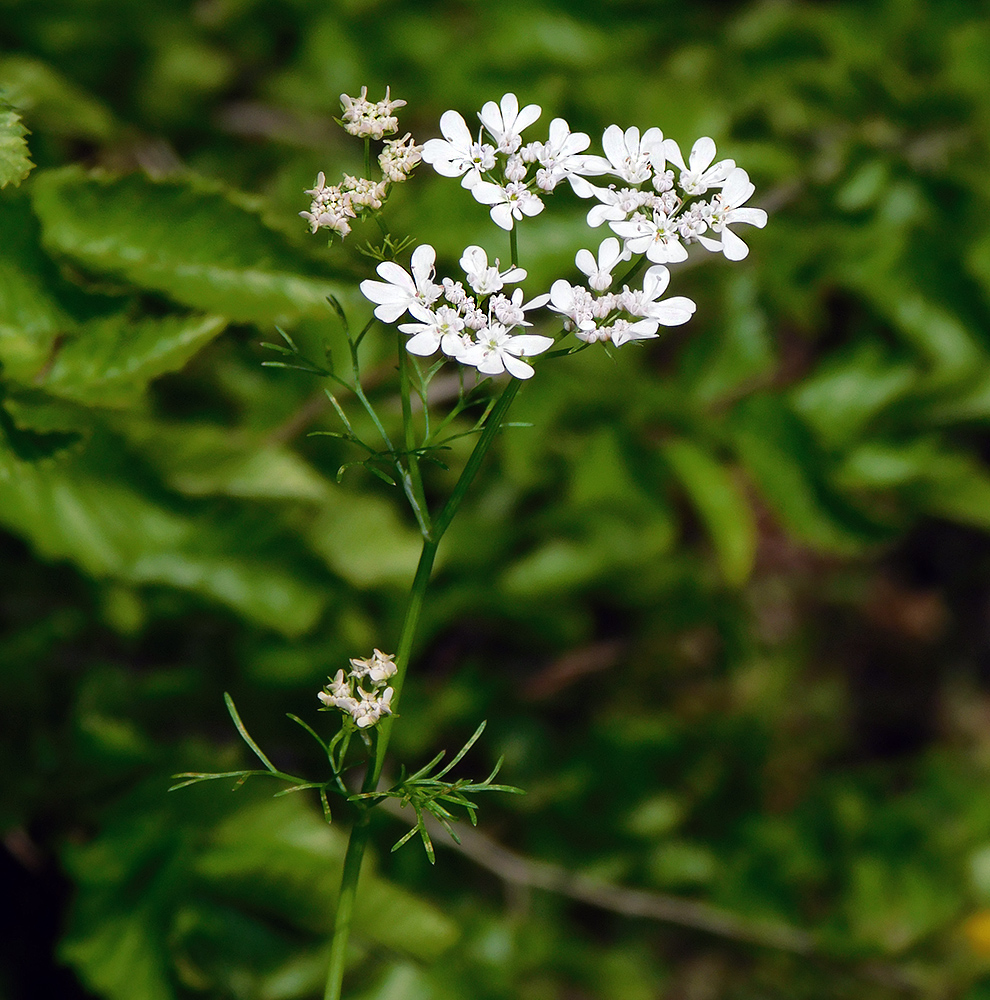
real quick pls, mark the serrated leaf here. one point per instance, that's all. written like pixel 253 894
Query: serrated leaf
pixel 181 238
pixel 69 510
pixel 721 504
pixel 110 361
pixel 30 445
pixel 15 160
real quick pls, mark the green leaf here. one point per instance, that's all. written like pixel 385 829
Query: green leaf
pixel 52 102
pixel 721 504
pixel 30 445
pixel 182 238
pixel 739 353
pixel 280 858
pixel 15 162
pixel 111 360
pixel 781 456
pixel 31 317
pixel 71 510
pixel 850 390
pixel 362 538
pixel 211 460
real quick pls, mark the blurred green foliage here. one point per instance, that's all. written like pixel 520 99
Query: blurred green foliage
pixel 724 604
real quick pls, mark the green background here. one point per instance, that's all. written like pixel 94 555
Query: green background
pixel 725 605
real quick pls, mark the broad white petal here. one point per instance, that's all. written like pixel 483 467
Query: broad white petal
pixel 502 216
pixel 515 367
pixel 423 344
pixel 488 193
pixel 586 262
pixel 455 130
pixel 528 344
pixel 752 216
pixel 673 311
pixel 732 246
pixel 702 154
pixel 673 153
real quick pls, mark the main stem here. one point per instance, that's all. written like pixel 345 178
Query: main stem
pixel 358 840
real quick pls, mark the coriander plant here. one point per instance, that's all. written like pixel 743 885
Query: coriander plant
pixel 655 203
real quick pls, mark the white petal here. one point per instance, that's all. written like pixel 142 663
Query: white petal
pixel 455 130
pixel 586 262
pixel 488 193
pixel 515 367
pixel 502 216
pixel 737 188
pixel 702 154
pixel 655 281
pixel 473 260
pixel 673 153
pixel 732 246
pixel 752 216
pixel 526 345
pixel 423 344
pixel 396 275
pixel 491 364
pixel 673 311
pixel 423 259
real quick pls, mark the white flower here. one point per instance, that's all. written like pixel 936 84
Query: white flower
pixel 512 312
pixel 400 291
pixel 372 707
pixel 644 302
pixel 363 118
pixel 600 271
pixel 510 202
pixel 574 302
pixel 497 351
pixel 631 157
pixel 657 237
pixel 330 209
pixel 699 175
pixel 505 122
pixel 616 204
pixel 484 279
pixel 378 667
pixel 443 330
pixel 337 690
pixel 397 159
pixel 365 193
pixel 726 209
pixel 622 331
pixel 559 158
pixel 457 153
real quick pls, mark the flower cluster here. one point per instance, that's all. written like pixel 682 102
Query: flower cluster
pixel 368 119
pixel 334 205
pixel 510 191
pixel 595 314
pixel 652 210
pixel 655 213
pixel 362 693
pixel 474 330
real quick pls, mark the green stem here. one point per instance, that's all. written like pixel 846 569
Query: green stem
pixel 513 247
pixel 412 459
pixel 358 840
pixel 356 845
pixel 425 568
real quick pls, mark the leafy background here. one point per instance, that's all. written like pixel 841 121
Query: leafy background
pixel 725 605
